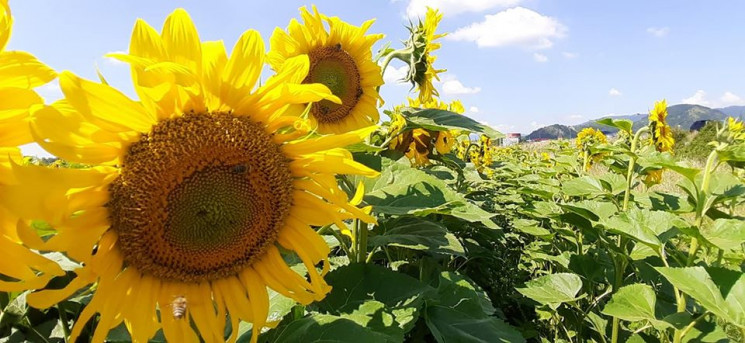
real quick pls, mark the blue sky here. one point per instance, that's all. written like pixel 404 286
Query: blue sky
pixel 515 64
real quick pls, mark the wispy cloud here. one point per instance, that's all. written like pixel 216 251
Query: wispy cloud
pixel 418 8
pixel 614 92
pixel 658 31
pixel 569 55
pixel 540 57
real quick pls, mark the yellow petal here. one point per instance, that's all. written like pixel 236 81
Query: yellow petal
pixel 21 69
pixel 181 40
pixel 105 106
pixel 243 68
pixel 6 22
pixel 326 142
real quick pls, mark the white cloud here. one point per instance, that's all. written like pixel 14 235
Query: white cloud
pixel 515 26
pixel 569 55
pixel 731 99
pixel 394 75
pixel 540 57
pixel 698 98
pixel 535 125
pixel 452 86
pixel 658 32
pixel 418 8
pixel 614 92
pixel 576 116
pixel 473 109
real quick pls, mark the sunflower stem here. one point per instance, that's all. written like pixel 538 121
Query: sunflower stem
pixel 63 320
pixel 361 229
pixel 400 54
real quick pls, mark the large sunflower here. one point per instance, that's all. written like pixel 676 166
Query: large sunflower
pixel 340 58
pixel 20 72
pixel 191 192
pixel 662 134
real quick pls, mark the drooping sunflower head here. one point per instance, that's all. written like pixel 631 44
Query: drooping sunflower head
pixel 193 189
pixel 421 44
pixel 341 59
pixel 662 134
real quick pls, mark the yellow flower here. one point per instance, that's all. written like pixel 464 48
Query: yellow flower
pixel 589 137
pixel 419 147
pixel 662 135
pixel 192 191
pixel 445 142
pixel 653 177
pixel 456 106
pixel 340 59
pixel 422 43
pixel 735 129
pixel 20 72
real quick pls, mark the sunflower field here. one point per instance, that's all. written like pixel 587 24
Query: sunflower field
pixel 220 206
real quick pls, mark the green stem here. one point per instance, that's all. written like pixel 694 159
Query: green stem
pixel 361 241
pixel 585 158
pixel 617 281
pixel 63 319
pixel 679 298
pixel 400 54
pixel 620 266
pixel 630 171
pixel 681 333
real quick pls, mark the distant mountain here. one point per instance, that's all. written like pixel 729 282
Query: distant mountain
pixel 683 116
pixel 733 111
pixel 553 132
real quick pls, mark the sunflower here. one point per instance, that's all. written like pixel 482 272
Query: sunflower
pixel 192 192
pixel 588 137
pixel 422 43
pixel 662 135
pixel 20 72
pixel 340 58
pixel 419 147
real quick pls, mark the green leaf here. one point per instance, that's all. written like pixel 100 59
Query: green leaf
pixel 553 289
pixel 531 227
pixel 440 120
pixel 583 186
pixel 644 226
pixel 458 312
pixel 634 303
pixel 726 234
pixel 364 325
pixel 355 284
pixel 621 124
pixel 401 190
pixel 417 234
pixel 591 209
pixel 733 154
pixel 697 283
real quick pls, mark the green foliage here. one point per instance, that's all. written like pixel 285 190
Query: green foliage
pixel 696 146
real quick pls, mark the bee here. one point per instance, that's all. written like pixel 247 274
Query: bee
pixel 240 169
pixel 338 46
pixel 178 307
